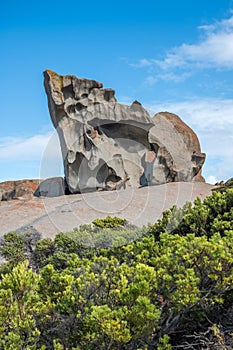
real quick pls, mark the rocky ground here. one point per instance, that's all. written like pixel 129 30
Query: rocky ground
pixel 139 206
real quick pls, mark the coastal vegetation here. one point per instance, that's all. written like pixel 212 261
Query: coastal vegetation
pixel 110 285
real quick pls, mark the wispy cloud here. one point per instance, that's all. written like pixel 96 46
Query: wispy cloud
pixel 213 49
pixel 142 63
pixel 201 113
pixel 167 76
pixel 212 120
pixel 14 148
pixel 24 157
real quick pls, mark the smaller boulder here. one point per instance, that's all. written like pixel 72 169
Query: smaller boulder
pixel 52 187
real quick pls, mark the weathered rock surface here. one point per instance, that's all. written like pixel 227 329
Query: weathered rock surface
pixel 107 145
pixel 51 187
pixel 18 189
pixel 138 206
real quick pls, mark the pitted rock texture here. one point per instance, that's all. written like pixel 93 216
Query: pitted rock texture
pixel 107 145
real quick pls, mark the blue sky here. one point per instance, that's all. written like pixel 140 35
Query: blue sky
pixel 170 55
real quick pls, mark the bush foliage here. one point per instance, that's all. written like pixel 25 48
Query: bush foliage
pixel 112 286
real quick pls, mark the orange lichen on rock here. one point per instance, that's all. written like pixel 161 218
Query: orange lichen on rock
pixel 18 189
pixel 188 134
pixel 56 79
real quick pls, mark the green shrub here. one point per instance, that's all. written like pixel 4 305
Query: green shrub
pixel 165 286
pixel 109 222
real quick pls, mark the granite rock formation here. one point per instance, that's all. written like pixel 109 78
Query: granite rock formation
pixel 108 145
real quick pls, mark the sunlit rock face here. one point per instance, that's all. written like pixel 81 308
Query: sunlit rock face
pixel 108 145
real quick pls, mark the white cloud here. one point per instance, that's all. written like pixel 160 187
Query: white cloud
pixel 210 114
pixel 211 180
pixel 142 63
pixel 36 154
pixel 170 76
pixel 214 49
pixel 212 120
pixel 14 148
pixel 150 80
pixel 167 76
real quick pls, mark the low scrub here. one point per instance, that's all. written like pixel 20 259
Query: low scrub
pixel 112 286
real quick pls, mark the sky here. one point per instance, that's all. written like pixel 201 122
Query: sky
pixel 171 55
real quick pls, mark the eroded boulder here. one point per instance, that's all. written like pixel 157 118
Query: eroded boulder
pixel 108 145
pixel 51 187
